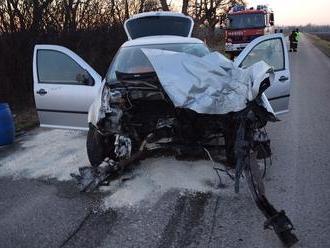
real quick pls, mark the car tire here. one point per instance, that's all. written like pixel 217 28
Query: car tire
pixel 95 144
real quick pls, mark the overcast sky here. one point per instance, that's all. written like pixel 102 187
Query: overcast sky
pixel 295 12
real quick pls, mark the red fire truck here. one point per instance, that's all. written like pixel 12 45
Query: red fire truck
pixel 244 25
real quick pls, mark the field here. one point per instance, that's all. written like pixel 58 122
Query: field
pixel 322 41
pixel 323 36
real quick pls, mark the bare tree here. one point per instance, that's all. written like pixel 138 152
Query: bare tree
pixel 164 5
pixel 209 13
pixel 38 10
pixel 184 8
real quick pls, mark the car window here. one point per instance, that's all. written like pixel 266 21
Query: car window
pixel 270 51
pixel 246 21
pixel 158 25
pixel 57 67
pixel 133 60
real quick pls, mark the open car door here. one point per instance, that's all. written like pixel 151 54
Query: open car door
pixel 271 49
pixel 64 87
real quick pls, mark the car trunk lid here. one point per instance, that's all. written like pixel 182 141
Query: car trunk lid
pixel 158 23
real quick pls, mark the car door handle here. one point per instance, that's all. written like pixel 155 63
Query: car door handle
pixel 283 78
pixel 41 92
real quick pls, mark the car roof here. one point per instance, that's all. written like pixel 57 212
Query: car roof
pixel 160 39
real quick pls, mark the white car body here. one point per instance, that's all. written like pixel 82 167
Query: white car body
pixel 64 102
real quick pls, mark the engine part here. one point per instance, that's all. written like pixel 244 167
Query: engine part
pixel 261 144
pixel 123 147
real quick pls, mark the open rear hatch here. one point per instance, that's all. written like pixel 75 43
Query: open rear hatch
pixel 158 23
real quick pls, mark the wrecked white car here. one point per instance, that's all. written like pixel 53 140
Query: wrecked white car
pixel 165 92
pixel 65 85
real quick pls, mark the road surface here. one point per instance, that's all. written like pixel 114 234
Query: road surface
pixel 40 212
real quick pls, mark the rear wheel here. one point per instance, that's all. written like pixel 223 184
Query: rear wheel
pixel 98 147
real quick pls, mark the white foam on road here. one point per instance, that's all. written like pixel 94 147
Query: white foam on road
pixel 156 176
pixel 49 153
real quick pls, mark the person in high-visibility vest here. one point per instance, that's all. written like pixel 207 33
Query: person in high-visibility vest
pixel 294 40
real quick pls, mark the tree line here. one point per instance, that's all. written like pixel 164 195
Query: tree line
pixel 309 28
pixel 91 28
pixel 73 15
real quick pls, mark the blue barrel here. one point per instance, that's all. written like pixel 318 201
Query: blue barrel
pixel 7 128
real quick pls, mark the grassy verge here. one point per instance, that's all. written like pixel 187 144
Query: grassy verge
pixel 25 119
pixel 322 44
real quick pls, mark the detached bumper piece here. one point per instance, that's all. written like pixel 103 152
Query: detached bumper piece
pixel 250 146
pixel 276 220
pixel 90 178
pixel 282 227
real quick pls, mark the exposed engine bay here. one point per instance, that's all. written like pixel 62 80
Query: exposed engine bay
pixel 138 118
pixel 139 109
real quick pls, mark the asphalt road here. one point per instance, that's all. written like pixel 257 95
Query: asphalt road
pixel 43 212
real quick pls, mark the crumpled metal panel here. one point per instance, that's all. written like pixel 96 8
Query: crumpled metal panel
pixel 208 85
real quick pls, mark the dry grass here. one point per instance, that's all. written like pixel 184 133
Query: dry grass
pixel 323 36
pixel 322 41
pixel 25 119
pixel 217 44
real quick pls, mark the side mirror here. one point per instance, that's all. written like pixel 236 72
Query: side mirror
pixel 85 78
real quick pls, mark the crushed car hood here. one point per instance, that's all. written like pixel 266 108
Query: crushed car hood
pixel 208 85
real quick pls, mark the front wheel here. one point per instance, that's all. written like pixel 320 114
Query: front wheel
pixel 98 147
